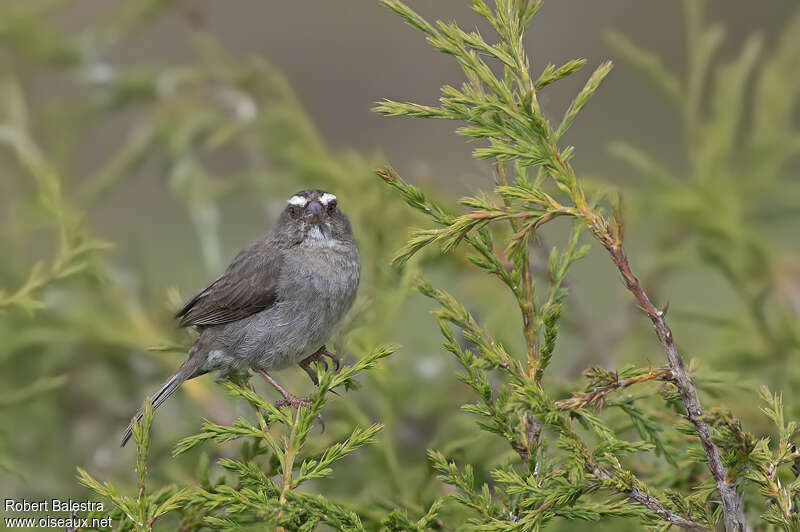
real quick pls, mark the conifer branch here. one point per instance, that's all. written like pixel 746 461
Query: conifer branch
pixel 731 500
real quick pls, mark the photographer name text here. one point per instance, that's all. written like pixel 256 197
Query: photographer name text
pixel 49 506
pixel 52 505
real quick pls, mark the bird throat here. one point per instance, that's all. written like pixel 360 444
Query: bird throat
pixel 316 234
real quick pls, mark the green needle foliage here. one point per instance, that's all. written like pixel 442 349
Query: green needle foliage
pixel 259 499
pixel 140 512
pixel 265 481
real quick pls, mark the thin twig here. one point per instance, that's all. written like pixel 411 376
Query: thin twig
pixel 636 495
pixel 645 500
pixel 657 508
pixel 653 504
pixel 532 427
pixel 596 397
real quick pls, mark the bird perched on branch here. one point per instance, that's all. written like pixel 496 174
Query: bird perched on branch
pixel 277 303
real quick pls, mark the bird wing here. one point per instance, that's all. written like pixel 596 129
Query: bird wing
pixel 248 286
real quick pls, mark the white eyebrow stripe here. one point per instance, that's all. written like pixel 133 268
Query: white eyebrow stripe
pixel 327 198
pixel 300 201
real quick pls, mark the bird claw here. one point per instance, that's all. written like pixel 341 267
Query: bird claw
pixel 337 361
pixel 306 365
pixel 317 357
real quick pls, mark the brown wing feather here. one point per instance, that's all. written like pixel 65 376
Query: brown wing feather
pixel 248 286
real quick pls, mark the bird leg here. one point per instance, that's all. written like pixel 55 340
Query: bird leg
pixel 288 399
pixel 317 357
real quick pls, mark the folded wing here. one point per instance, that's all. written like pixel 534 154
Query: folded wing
pixel 247 287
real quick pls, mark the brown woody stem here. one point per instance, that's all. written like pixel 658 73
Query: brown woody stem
pixel 732 505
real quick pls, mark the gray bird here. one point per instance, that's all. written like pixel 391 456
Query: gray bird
pixel 277 303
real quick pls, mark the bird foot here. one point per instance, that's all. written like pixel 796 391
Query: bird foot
pixel 336 359
pixel 297 402
pixel 294 402
pixel 317 357
pixel 288 398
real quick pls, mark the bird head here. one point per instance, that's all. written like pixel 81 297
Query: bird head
pixel 314 216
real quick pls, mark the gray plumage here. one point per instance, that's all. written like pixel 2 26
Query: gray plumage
pixel 280 299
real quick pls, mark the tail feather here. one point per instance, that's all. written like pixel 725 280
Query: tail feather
pixel 168 388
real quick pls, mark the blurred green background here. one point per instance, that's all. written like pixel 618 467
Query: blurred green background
pixel 174 130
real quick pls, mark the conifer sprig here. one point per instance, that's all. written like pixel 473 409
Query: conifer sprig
pixel 140 512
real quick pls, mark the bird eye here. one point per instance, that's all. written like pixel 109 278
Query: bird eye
pixel 332 207
pixel 292 211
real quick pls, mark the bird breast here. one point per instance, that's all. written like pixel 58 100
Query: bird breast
pixel 322 277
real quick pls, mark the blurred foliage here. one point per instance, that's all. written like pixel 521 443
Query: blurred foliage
pixel 740 131
pixel 87 328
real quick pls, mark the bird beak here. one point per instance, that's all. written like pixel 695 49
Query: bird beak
pixel 315 211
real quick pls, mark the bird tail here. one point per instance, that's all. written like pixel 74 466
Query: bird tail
pixel 187 371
